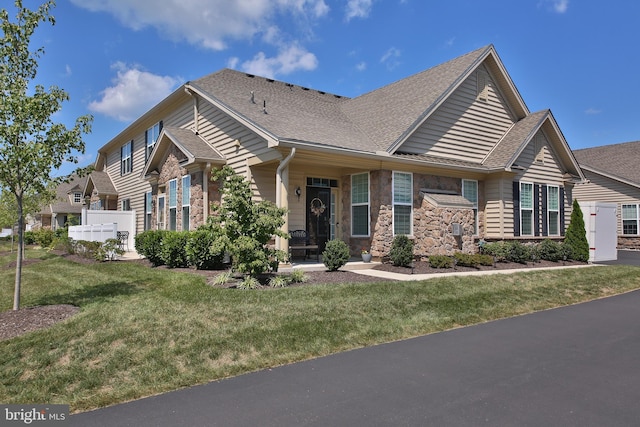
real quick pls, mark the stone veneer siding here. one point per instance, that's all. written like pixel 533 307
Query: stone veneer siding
pixel 432 226
pixel 625 242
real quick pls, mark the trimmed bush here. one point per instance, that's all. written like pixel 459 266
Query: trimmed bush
pixel 200 251
pixel 335 255
pixel 550 250
pixel 440 261
pixel 517 252
pixel 29 238
pixel 44 237
pixel 173 252
pixel 149 244
pixel 465 260
pixel 401 253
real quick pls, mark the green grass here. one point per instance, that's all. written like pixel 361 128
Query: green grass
pixel 145 331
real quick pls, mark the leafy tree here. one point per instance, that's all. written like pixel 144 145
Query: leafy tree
pixel 31 144
pixel 243 228
pixel 32 204
pixel 576 236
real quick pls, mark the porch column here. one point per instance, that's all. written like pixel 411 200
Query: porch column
pixel 282 197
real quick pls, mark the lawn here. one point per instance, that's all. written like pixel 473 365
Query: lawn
pixel 143 331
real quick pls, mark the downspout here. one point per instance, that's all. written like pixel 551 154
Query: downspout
pixel 205 193
pixel 282 171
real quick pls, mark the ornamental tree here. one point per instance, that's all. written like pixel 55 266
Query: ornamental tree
pixel 31 144
pixel 576 235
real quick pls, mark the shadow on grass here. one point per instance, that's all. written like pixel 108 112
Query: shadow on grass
pixel 90 294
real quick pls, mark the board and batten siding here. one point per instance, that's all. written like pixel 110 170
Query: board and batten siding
pixel 464 127
pixel 602 189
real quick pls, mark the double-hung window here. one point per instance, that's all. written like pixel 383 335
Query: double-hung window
pixel 125 205
pixel 173 203
pixel 470 192
pixel 630 219
pixel 553 210
pixel 360 204
pixel 147 210
pixel 526 209
pixel 186 201
pixel 77 197
pixel 151 136
pixel 126 158
pixel 402 203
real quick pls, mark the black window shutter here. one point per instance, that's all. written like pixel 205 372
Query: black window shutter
pixel 146 146
pixel 545 211
pixel 516 208
pixel 536 209
pixel 121 162
pixel 562 211
pixel 131 161
pixel 160 127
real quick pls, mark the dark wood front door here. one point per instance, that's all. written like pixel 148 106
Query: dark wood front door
pixel 318 214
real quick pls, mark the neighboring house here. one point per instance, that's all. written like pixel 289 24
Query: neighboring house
pixel 614 177
pixel 447 156
pixel 67 205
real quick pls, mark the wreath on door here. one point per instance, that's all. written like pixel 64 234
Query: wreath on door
pixel 317 207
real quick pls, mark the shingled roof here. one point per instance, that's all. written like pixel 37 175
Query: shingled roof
pixel 618 161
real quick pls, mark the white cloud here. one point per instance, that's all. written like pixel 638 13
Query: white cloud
pixel 133 92
pixel 358 9
pixel 361 66
pixel 233 62
pixel 558 6
pixel 390 58
pixel 207 23
pixel 288 60
pixel 592 111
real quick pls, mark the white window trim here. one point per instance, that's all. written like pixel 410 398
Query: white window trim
pixel 394 203
pixel 623 219
pixel 172 206
pixel 161 212
pixel 148 200
pixel 476 224
pixel 367 204
pixel 126 159
pixel 549 210
pixel 188 204
pixel 150 133
pixel 77 197
pixel 528 209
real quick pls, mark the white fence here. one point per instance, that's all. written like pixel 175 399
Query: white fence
pixel 94 232
pixel 98 222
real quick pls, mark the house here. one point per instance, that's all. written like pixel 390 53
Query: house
pixel 447 156
pixel 612 176
pixel 67 205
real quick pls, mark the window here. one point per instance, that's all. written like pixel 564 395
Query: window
pixel 553 210
pixel 526 209
pixel 77 197
pixel 402 203
pixel 173 203
pixel 125 205
pixel 186 201
pixel 161 213
pixel 360 204
pixel 147 210
pixel 126 159
pixel 96 206
pixel 470 192
pixel 629 219
pixel 151 137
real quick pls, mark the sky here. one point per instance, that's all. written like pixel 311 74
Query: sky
pixel 118 58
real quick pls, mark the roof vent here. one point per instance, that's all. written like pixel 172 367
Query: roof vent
pixel 253 98
pixel 270 80
pixel 250 75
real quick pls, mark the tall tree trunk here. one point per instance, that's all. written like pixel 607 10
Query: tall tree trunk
pixel 16 293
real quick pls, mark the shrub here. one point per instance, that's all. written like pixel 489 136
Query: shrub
pixel 517 252
pixel 29 238
pixel 44 237
pixel 576 236
pixel 66 244
pixel 440 261
pixel 107 250
pixel 335 255
pixel 87 249
pixel 550 250
pixel 173 249
pixel 222 278
pixel 465 260
pixel 401 253
pixel 200 251
pixel 484 259
pixel 149 244
pixel 496 249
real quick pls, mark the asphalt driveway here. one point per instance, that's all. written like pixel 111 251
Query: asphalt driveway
pixel 573 366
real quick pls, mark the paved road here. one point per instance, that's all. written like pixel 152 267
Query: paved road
pixel 574 366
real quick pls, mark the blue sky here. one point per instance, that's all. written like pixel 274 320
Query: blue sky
pixel 117 58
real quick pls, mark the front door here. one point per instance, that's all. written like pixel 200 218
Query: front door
pixel 318 215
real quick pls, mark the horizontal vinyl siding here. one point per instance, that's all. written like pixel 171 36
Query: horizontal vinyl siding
pixel 602 189
pixel 132 186
pixel 549 171
pixel 463 128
